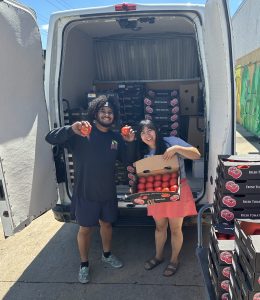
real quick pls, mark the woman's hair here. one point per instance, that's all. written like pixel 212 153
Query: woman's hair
pixel 143 148
pixel 99 102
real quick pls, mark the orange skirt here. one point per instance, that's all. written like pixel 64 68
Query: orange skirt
pixel 185 207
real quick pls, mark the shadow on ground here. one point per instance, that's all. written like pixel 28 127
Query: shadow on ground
pixel 53 272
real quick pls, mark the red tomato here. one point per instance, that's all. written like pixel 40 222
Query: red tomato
pixel 174 188
pixel 250 227
pixel 173 181
pixel 142 180
pixel 157 183
pixel 86 130
pixel 141 186
pixel 157 177
pixel 150 178
pixel 158 189
pixel 165 189
pixel 165 184
pixel 149 185
pixel 140 191
pixel 166 177
pixel 174 175
pixel 125 130
pixel 149 190
pixel 222 236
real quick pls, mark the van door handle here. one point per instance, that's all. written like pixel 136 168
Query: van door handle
pixel 2 193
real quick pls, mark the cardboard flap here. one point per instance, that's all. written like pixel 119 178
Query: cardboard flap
pixel 156 165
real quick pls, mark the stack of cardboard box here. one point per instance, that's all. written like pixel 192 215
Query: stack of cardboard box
pixel 237 197
pixel 131 103
pixel 162 106
pixel 220 256
pixel 237 192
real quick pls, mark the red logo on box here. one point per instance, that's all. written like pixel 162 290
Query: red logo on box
pixel 234 172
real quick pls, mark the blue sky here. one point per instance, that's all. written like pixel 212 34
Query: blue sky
pixel 44 8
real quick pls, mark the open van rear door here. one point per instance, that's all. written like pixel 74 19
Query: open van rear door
pixel 219 85
pixel 27 173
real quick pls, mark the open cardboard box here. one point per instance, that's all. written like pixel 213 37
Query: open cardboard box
pixel 155 165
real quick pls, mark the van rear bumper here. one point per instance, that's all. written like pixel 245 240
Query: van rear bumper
pixel 128 215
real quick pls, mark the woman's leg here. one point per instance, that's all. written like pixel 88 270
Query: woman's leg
pixel 160 237
pixel 176 237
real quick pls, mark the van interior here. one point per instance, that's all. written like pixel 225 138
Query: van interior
pixel 136 58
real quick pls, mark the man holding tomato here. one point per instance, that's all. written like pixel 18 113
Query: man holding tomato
pixel 95 149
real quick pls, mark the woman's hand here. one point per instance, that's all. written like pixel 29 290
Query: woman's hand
pixel 187 152
pixel 170 152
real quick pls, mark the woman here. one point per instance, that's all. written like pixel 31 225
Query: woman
pixel 167 213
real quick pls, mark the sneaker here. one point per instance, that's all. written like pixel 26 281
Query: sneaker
pixel 84 275
pixel 112 260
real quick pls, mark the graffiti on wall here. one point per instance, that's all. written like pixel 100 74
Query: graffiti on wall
pixel 248 96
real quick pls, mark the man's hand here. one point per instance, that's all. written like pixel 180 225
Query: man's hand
pixel 82 128
pixel 128 133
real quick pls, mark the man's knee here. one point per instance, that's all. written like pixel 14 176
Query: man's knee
pixel 105 225
pixel 84 230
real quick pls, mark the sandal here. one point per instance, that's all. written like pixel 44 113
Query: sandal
pixel 152 263
pixel 171 269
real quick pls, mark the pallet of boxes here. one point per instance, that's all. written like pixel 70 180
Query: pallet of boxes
pixel 234 247
pixel 157 180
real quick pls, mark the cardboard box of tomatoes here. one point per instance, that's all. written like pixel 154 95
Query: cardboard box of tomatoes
pixel 230 214
pixel 157 181
pixel 239 167
pixel 237 200
pixel 238 187
pixel 221 246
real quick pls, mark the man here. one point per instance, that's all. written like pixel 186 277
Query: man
pixel 94 155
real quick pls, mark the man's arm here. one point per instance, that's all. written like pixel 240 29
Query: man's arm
pixel 64 134
pixel 60 135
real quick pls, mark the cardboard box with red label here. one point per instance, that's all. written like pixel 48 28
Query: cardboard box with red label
pixel 239 167
pixel 223 248
pixel 239 187
pixel 157 181
pixel 222 271
pixel 230 214
pixel 237 201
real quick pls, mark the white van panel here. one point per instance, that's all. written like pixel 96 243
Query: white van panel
pixel 27 174
pixel 218 85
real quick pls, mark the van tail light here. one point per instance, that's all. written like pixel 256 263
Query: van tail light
pixel 125 7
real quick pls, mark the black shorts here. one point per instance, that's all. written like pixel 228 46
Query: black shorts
pixel 88 213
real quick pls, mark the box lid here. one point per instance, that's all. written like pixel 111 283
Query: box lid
pixel 156 165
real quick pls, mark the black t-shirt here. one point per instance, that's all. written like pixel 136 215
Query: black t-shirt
pixel 94 161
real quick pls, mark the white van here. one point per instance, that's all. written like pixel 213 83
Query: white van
pixel 181 47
